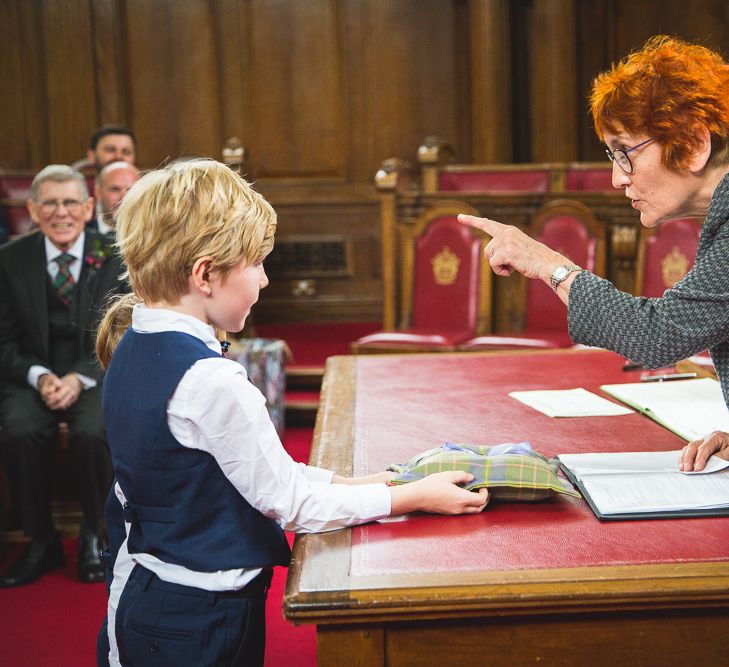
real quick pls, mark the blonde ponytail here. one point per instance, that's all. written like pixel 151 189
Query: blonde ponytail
pixel 117 319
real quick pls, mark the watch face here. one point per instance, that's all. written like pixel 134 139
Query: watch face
pixel 560 273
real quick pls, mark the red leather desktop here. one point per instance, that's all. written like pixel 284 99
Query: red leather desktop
pixel 405 406
pixel 519 584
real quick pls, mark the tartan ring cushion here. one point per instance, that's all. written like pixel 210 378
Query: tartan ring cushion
pixel 511 471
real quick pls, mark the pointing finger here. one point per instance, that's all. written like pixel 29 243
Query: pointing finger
pixel 487 225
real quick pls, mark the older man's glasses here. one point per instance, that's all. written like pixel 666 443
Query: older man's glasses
pixel 620 156
pixel 50 206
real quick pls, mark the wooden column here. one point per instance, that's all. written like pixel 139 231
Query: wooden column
pixel 553 81
pixel 490 81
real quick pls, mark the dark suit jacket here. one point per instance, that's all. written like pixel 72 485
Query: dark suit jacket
pixel 24 308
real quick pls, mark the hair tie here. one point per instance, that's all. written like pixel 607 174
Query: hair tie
pixel 224 345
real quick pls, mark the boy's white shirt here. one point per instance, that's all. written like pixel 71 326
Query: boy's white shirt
pixel 217 410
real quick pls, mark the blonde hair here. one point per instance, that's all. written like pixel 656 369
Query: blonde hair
pixel 117 319
pixel 170 218
pixel 173 216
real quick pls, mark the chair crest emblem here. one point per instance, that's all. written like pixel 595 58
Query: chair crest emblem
pixel 674 266
pixel 445 266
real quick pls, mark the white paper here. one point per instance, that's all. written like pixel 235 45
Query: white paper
pixel 630 482
pixel 569 403
pixel 656 492
pixel 612 463
pixel 689 408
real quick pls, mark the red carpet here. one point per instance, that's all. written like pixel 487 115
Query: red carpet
pixel 54 621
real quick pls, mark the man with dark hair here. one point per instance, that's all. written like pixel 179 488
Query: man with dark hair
pixel 55 285
pixel 111 143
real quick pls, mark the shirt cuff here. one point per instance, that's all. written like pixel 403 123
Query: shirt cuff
pixel 314 474
pixel 86 381
pixel 34 373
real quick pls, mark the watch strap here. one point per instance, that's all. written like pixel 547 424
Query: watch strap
pixel 556 279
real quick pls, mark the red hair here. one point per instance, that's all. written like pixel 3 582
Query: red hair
pixel 666 91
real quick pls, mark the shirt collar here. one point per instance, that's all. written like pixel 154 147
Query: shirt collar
pixel 157 320
pixel 101 224
pixel 76 250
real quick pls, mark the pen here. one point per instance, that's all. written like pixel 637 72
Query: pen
pixel 671 376
pixel 631 366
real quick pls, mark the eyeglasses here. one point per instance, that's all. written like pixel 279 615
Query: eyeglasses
pixel 50 206
pixel 620 156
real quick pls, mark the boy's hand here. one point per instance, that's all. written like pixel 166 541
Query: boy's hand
pixel 439 494
pixel 377 478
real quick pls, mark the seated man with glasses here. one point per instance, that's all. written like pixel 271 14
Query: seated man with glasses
pixel 54 285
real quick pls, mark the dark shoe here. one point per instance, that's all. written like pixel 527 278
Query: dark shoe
pixel 36 559
pixel 90 567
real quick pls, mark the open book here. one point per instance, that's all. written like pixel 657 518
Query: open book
pixel 689 408
pixel 646 485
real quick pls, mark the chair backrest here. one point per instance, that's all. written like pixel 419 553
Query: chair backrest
pixel 569 227
pixel 446 287
pixel 666 253
pixel 14 191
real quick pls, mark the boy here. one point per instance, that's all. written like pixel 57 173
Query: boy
pixel 202 481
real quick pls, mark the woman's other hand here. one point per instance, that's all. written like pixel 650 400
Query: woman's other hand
pixel 695 455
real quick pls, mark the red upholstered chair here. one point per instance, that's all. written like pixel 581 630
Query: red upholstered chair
pixel 570 228
pixel 666 253
pixel 445 285
pixel 14 191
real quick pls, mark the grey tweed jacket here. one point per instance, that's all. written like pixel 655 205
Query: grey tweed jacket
pixel 689 318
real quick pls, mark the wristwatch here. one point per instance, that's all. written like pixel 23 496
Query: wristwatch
pixel 561 273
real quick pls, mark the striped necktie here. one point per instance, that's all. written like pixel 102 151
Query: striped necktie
pixel 63 282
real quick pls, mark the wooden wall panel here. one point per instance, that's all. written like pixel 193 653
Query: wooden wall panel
pixel 14 147
pixel 320 92
pixel 173 91
pixel 416 60
pixel 111 76
pixel 297 126
pixel 69 67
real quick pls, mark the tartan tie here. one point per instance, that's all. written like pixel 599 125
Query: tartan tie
pixel 63 282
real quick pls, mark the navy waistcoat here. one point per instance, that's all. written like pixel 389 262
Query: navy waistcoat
pixel 181 507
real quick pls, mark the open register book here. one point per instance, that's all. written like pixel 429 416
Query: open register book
pixel 689 408
pixel 648 485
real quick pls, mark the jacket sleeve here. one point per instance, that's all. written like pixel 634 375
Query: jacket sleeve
pixel 15 360
pixel 689 318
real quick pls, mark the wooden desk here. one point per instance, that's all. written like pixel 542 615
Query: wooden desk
pixel 519 584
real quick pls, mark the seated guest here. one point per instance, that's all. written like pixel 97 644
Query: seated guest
pixel 111 143
pixel 112 183
pixel 54 285
pixel 663 114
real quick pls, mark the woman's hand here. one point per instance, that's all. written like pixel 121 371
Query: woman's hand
pixel 695 455
pixel 511 250
pixel 439 494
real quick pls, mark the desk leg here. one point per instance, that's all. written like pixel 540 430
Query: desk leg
pixel 353 647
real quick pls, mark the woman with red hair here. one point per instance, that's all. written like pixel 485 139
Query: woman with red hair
pixel 663 114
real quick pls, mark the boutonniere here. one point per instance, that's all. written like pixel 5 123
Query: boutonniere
pixel 98 254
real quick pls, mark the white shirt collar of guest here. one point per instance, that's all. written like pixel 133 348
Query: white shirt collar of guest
pixel 76 251
pixel 101 224
pixel 157 320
